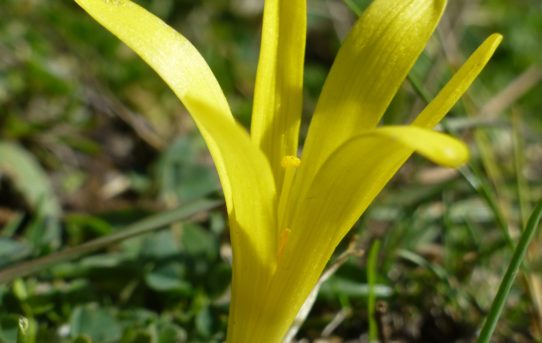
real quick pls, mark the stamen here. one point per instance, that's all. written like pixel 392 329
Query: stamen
pixel 283 239
pixel 290 162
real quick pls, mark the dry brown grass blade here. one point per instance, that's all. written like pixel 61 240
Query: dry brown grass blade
pixel 512 93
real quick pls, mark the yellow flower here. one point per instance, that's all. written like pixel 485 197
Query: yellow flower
pixel 287 215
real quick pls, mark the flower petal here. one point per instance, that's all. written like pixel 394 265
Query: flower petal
pixel 345 185
pixel 279 83
pixel 458 85
pixel 170 54
pixel 240 164
pixel 371 65
pixel 360 168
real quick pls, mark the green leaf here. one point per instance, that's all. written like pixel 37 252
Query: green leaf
pixel 204 321
pixel 168 278
pixel 9 325
pixel 169 333
pixel 11 251
pixel 32 182
pixel 159 245
pixel 82 339
pixel 143 337
pixel 96 323
pixel 29 178
pixel 198 242
pixel 182 174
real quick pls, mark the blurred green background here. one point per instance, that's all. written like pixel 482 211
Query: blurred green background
pixel 91 141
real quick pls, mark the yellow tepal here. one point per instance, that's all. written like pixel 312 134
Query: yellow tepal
pixel 287 214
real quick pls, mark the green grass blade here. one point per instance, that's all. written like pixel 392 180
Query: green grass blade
pixel 511 272
pixel 371 279
pixel 353 7
pixel 480 186
pixel 522 186
pixel 418 88
pixel 144 226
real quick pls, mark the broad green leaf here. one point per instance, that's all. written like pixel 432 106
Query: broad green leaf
pixel 29 178
pixel 95 322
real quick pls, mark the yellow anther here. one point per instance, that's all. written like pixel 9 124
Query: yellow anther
pixel 283 239
pixel 290 162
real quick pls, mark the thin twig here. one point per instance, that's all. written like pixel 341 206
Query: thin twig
pixel 512 93
pixel 145 226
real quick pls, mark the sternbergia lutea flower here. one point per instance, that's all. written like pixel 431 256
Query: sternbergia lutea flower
pixel 286 213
